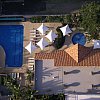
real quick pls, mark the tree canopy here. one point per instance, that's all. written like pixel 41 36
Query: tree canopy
pixel 90 17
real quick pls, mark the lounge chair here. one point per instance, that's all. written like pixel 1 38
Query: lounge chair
pixel 34 36
pixel 31 64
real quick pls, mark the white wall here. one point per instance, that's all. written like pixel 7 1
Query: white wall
pixel 82 97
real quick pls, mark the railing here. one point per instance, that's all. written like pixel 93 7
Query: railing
pixel 13 0
pixel 12 19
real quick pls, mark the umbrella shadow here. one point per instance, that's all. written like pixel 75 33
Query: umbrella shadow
pixel 72 84
pixel 93 73
pixel 72 72
pixel 97 85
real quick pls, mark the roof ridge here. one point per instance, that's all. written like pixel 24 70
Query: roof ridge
pixel 62 58
pixel 78 52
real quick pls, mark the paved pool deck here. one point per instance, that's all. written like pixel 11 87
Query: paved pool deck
pixel 29 26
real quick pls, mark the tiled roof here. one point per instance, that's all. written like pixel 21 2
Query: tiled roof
pixel 78 52
pixel 76 55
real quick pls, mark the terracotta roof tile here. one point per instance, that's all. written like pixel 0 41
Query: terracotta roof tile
pixel 78 52
pixel 86 57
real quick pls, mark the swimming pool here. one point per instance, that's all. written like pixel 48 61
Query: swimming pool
pixel 11 39
pixel 79 38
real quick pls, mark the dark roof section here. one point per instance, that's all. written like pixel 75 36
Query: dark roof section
pixel 62 58
pixel 40 7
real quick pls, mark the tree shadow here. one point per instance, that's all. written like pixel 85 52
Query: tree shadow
pixel 94 91
pixel 51 83
pixel 49 72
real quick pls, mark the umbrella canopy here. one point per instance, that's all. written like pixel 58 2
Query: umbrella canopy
pixel 30 47
pixel 96 44
pixel 51 36
pixel 42 29
pixel 42 43
pixel 65 30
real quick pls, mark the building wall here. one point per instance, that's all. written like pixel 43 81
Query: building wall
pixel 67 79
pixel 49 84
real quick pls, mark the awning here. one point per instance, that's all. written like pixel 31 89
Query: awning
pixel 96 44
pixel 66 30
pixel 30 47
pixel 42 43
pixel 51 36
pixel 42 29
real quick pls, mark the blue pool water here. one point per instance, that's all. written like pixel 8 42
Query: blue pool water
pixel 79 38
pixel 11 39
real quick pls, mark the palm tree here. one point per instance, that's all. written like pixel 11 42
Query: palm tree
pixel 18 93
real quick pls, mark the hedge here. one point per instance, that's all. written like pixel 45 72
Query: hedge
pixel 60 19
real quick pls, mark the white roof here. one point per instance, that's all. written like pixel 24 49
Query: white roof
pixel 65 30
pixel 96 44
pixel 42 43
pixel 42 29
pixel 51 36
pixel 30 47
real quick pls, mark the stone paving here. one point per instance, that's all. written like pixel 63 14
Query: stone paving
pixel 27 27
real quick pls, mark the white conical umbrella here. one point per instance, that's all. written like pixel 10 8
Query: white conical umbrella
pixel 30 47
pixel 51 36
pixel 66 30
pixel 42 29
pixel 96 44
pixel 42 43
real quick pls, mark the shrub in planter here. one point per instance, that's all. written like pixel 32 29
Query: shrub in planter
pixel 59 41
pixel 36 19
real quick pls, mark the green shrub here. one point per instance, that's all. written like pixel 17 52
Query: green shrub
pixel 60 19
pixel 59 41
pixel 68 19
pixel 36 19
